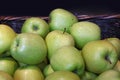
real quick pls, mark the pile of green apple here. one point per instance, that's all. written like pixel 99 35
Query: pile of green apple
pixel 63 48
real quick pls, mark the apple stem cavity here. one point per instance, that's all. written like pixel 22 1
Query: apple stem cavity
pixel 35 27
pixel 64 30
pixel 107 58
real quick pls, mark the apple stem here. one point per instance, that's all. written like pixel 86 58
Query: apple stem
pixel 64 30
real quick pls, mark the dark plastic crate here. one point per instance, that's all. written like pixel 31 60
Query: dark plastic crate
pixel 109 24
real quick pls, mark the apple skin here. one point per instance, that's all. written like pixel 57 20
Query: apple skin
pixel 29 72
pixel 5 76
pixel 99 56
pixel 48 70
pixel 62 75
pixel 7 34
pixel 68 58
pixel 35 25
pixel 57 39
pixel 116 43
pixel 117 66
pixel 84 32
pixel 8 65
pixel 29 48
pixel 61 19
pixel 109 75
pixel 88 76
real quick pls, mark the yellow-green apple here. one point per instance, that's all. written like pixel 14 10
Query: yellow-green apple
pixel 7 34
pixel 57 39
pixel 117 66
pixel 109 75
pixel 68 58
pixel 5 76
pixel 88 76
pixel 62 75
pixel 99 56
pixel 28 48
pixel 116 42
pixel 35 25
pixel 84 32
pixel 29 72
pixel 61 19
pixel 48 70
pixel 8 65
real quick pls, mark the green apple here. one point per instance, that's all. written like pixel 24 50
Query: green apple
pixel 99 56
pixel 5 76
pixel 116 42
pixel 7 34
pixel 68 58
pixel 35 25
pixel 8 65
pixel 48 70
pixel 84 32
pixel 28 72
pixel 29 48
pixel 109 75
pixel 88 76
pixel 57 39
pixel 62 75
pixel 117 66
pixel 61 19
